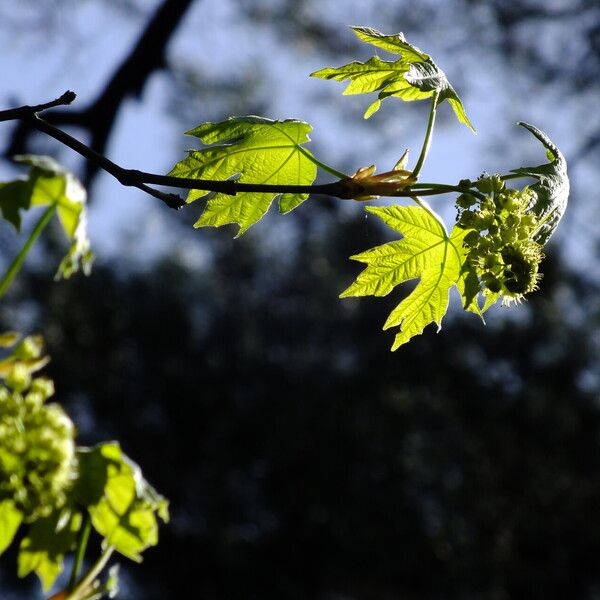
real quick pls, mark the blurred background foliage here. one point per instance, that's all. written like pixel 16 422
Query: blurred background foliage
pixel 302 459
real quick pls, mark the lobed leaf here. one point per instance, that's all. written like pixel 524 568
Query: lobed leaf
pixel 43 549
pixel 257 150
pixel 414 76
pixel 121 503
pixel 552 186
pixel 395 43
pixel 426 252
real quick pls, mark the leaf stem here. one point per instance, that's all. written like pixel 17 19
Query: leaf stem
pixel 322 165
pixel 445 188
pixel 17 263
pixel 428 134
pixel 82 587
pixel 82 542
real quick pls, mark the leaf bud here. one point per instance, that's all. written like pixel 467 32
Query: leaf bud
pixel 30 348
pixel 466 200
pixel 42 386
pixel 37 451
pixel 18 377
pixel 471 239
pixel 489 184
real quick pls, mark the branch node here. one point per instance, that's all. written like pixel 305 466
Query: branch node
pixel 174 201
pixel 68 97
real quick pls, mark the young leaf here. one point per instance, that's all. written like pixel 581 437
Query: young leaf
pixel 552 186
pixel 425 252
pixel 10 519
pixel 14 197
pixel 414 76
pixel 49 184
pixel 121 503
pixel 259 151
pixel 48 540
pixel 365 185
pixel 55 185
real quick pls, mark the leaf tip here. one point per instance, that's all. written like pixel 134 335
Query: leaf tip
pixel 374 210
pixel 372 109
pixel 398 341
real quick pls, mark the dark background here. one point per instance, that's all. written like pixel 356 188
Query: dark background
pixel 302 459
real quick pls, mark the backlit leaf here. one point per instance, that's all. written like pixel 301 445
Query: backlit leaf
pixel 426 252
pixel 551 187
pixel 45 545
pixel 50 184
pixel 258 151
pixel 10 519
pixel 414 76
pixel 122 505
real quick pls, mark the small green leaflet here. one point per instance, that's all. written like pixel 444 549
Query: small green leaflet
pixel 45 545
pixel 14 197
pixel 469 287
pixel 122 505
pixel 414 76
pixel 10 519
pixel 258 151
pixel 425 252
pixel 48 184
pixel 552 186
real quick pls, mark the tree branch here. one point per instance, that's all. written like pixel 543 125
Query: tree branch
pixel 26 111
pixel 29 115
pixel 129 79
pixel 346 188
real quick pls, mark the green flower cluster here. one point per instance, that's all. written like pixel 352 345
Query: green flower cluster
pixel 37 449
pixel 500 246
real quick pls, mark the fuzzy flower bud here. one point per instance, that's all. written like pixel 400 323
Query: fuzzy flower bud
pixel 37 450
pixel 500 248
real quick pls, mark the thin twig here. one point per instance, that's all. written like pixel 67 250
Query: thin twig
pixel 346 188
pixel 428 134
pixel 82 542
pixel 26 111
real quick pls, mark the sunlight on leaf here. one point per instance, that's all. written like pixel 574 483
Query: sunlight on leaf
pixel 552 186
pixel 45 545
pixel 123 506
pixel 427 253
pixel 49 184
pixel 259 151
pixel 414 76
pixel 10 519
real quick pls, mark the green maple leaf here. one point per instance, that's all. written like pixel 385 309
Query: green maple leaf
pixel 259 151
pixel 414 76
pixel 551 187
pixel 426 252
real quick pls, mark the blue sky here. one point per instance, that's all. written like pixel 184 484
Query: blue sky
pixel 89 38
